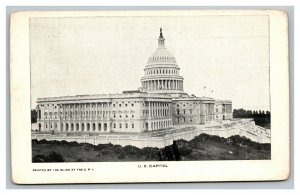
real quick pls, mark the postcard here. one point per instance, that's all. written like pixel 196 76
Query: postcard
pixel 149 96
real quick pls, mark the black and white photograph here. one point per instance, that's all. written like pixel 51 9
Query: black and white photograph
pixel 147 92
pixel 150 88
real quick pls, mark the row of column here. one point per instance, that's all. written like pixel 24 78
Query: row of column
pixel 75 126
pixel 158 125
pixel 159 110
pixel 162 71
pixel 69 110
pixel 163 84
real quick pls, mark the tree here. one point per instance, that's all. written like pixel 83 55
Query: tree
pixel 33 116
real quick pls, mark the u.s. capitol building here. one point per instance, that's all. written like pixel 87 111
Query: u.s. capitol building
pixel 161 103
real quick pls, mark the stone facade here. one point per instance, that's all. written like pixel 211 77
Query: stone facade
pixel 127 112
pixel 159 104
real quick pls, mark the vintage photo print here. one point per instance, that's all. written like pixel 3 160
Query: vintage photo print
pixel 117 96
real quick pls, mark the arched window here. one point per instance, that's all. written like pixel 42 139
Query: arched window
pixel 72 126
pixel 114 125
pixel 82 126
pixel 94 127
pixel 88 126
pixel 77 127
pixel 120 125
pixel 99 126
pixel 126 125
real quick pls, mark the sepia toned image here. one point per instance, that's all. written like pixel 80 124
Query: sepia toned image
pixel 149 96
pixel 150 88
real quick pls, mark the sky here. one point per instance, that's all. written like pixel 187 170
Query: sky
pixel 99 55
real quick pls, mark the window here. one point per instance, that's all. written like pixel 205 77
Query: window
pixel 132 116
pixel 132 104
pixel 120 116
pixel 126 125
pixel 126 105
pixel 120 105
pixel 191 111
pixel 120 125
pixel 126 116
pixel 178 111
pixel 132 125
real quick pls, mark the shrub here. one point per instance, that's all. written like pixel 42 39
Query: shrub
pixel 131 150
pixel 55 157
pixel 122 155
pixel 39 158
pixel 52 157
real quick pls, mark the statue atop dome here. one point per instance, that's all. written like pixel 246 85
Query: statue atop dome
pixel 161 35
pixel 161 39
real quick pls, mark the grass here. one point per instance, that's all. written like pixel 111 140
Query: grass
pixel 202 147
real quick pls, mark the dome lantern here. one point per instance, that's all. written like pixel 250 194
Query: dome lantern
pixel 161 39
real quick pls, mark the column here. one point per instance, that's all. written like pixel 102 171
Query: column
pixel 166 84
pixel 154 109
pixel 173 84
pixel 159 84
pixel 148 110
pixel 85 115
pixel 158 109
pixel 151 109
pixel 152 84
pixel 96 116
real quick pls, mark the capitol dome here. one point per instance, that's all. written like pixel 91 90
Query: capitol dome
pixel 162 72
pixel 161 55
